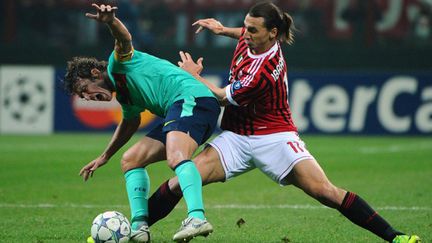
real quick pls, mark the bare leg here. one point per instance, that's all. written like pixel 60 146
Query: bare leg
pixel 143 153
pixel 308 176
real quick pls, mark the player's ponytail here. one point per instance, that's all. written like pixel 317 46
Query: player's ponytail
pixel 287 29
pixel 275 18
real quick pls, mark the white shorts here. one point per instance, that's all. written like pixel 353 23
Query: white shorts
pixel 274 154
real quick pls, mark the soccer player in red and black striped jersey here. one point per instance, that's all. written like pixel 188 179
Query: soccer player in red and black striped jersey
pixel 257 91
pixel 258 128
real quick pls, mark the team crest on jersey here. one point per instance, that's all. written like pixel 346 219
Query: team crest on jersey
pixel 239 59
pixel 236 86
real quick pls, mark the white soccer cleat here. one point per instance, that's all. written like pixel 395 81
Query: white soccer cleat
pixel 142 235
pixel 192 227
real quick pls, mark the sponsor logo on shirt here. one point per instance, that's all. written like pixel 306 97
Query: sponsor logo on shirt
pixel 236 86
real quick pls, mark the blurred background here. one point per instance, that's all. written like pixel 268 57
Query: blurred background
pixel 360 89
pixel 356 67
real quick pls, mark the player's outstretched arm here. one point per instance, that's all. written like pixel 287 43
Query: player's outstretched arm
pixel 187 63
pixel 217 28
pixel 121 136
pixel 106 14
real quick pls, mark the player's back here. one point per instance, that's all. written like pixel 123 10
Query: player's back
pixel 152 83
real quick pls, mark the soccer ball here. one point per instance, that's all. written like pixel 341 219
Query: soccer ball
pixel 110 227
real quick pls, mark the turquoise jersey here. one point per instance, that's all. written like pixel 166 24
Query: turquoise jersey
pixel 146 82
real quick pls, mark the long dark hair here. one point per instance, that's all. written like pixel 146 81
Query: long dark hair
pixel 80 67
pixel 275 18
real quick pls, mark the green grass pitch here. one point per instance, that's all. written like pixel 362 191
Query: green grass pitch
pixel 42 198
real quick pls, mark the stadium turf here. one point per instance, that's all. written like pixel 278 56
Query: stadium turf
pixel 42 198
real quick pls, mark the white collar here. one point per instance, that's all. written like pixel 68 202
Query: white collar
pixel 273 49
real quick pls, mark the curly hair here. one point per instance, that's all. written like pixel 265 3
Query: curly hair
pixel 80 67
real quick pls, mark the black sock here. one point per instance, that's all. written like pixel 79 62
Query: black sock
pixel 359 212
pixel 161 203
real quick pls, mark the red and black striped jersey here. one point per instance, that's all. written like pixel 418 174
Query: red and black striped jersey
pixel 258 93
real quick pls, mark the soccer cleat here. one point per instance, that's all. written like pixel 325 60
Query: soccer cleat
pixel 406 239
pixel 142 235
pixel 192 227
pixel 90 240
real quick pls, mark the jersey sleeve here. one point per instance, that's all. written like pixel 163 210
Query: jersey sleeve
pixel 246 90
pixel 121 62
pixel 123 57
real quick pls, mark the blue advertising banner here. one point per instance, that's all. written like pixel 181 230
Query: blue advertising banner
pixel 362 103
pixel 321 103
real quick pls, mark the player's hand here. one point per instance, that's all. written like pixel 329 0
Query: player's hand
pixel 211 24
pixel 105 13
pixel 88 170
pixel 188 64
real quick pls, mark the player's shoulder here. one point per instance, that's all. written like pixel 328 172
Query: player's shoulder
pixel 121 57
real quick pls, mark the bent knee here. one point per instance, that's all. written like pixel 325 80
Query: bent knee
pixel 174 158
pixel 129 161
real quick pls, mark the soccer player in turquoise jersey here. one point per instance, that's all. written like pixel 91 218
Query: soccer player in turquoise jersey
pixel 141 81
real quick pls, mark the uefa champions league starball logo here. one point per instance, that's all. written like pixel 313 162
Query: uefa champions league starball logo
pixel 24 101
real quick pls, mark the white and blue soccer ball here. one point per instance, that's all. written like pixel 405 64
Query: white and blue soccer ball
pixel 111 227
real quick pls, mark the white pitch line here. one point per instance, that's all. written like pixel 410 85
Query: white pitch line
pixel 396 148
pixel 212 206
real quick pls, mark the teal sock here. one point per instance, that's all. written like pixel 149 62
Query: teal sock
pixel 191 186
pixel 138 187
